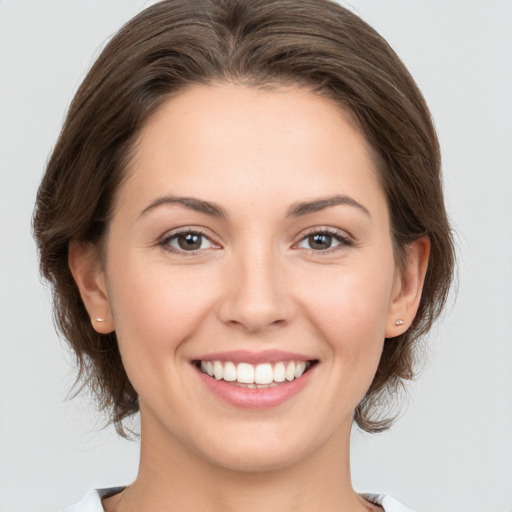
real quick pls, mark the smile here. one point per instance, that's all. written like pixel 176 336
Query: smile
pixel 259 376
pixel 255 380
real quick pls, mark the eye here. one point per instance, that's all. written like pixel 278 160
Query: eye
pixel 187 241
pixel 324 240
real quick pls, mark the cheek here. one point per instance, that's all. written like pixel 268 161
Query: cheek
pixel 156 307
pixel 350 317
pixel 349 307
pixel 348 299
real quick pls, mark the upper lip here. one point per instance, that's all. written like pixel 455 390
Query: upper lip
pixel 247 356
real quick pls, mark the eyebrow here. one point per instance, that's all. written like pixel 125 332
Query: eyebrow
pixel 296 210
pixel 305 208
pixel 192 203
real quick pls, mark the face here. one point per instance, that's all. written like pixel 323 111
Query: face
pixel 249 274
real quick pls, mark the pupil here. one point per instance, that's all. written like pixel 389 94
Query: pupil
pixel 320 241
pixel 190 242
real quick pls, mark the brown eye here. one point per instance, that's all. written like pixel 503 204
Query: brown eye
pixel 186 241
pixel 324 241
pixel 320 241
pixel 189 241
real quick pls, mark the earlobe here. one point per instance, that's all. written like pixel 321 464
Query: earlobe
pixel 90 280
pixel 408 288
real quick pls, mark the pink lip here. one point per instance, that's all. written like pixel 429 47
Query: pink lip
pixel 246 356
pixel 247 398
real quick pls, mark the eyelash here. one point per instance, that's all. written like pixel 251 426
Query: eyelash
pixel 342 239
pixel 165 242
pixel 340 236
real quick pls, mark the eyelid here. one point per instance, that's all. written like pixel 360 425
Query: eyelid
pixel 345 239
pixel 164 240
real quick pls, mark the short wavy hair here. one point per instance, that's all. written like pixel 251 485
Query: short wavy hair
pixel 175 43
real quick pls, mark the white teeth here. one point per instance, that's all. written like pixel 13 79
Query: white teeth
pixel 263 374
pixel 279 372
pixel 229 372
pixel 218 370
pixel 290 371
pixel 245 373
pixel 300 368
pixel 259 376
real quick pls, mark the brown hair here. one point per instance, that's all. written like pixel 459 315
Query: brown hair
pixel 175 43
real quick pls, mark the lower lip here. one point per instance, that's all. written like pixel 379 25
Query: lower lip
pixel 248 398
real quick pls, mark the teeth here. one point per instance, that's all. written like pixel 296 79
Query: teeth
pixel 254 376
pixel 229 372
pixel 299 369
pixel 290 371
pixel 218 370
pixel 263 374
pixel 245 373
pixel 279 372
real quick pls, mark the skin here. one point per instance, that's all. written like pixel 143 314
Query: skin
pixel 255 283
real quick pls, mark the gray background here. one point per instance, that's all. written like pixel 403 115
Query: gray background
pixel 452 450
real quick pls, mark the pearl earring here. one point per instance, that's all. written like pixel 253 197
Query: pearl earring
pixel 399 322
pixel 99 319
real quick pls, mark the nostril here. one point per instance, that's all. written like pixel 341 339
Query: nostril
pixel 255 325
pixel 256 302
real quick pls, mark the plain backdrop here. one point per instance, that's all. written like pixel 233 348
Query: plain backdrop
pixel 452 449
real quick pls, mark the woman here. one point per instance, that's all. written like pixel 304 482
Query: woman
pixel 244 226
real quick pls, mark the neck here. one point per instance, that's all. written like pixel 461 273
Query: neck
pixel 171 477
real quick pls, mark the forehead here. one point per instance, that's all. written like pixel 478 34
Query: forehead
pixel 233 138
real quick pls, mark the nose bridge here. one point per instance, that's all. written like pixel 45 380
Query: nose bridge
pixel 256 295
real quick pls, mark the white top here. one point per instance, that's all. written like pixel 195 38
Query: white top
pixel 91 502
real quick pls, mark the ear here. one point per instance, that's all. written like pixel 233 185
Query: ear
pixel 407 288
pixel 84 265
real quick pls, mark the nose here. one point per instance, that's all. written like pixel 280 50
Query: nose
pixel 256 295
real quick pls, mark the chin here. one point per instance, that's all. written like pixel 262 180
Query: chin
pixel 255 458
pixel 262 446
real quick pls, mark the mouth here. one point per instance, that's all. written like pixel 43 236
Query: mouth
pixel 255 376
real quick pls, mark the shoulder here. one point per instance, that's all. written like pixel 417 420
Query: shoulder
pixel 91 502
pixel 388 503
